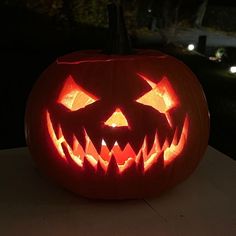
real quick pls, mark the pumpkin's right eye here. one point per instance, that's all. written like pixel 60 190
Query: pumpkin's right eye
pixel 160 97
pixel 74 97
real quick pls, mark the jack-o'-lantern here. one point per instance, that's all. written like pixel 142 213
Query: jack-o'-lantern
pixel 117 126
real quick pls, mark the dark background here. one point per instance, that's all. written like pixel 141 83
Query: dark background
pixel 32 37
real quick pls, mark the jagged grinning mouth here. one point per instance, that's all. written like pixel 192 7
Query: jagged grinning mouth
pixel 169 151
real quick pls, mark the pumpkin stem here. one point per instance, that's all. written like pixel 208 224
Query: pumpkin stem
pixel 118 42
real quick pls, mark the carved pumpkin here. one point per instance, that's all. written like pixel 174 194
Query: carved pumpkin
pixel 110 126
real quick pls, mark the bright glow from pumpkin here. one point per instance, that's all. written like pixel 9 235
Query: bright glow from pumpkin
pixel 125 158
pixel 74 97
pixel 117 119
pixel 161 97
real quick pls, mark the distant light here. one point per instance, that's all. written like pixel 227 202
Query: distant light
pixel 213 58
pixel 191 47
pixel 149 10
pixel 232 69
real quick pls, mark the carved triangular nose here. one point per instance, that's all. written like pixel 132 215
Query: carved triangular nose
pixel 117 119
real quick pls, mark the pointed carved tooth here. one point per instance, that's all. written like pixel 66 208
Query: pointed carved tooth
pixel 88 164
pixel 177 135
pixel 161 138
pixel 169 119
pixel 80 136
pixel 65 147
pixel 105 153
pixel 103 143
pixel 122 144
pixel 129 151
pixel 150 141
pixel 138 156
pixel 171 136
pixel 175 138
pixel 100 169
pixel 92 160
pixel 71 158
pixel 165 145
pixel 75 143
pixel 87 140
pixel 177 117
pixel 103 163
pixel 155 163
pixel 118 153
pixel 97 144
pixel 157 144
pixel 69 136
pixel 159 162
pixel 60 134
pixel 129 167
pixel 179 132
pixel 144 149
pixel 93 144
pixel 57 129
pixel 136 145
pixel 110 143
pixel 65 150
pixel 90 149
pixel 185 127
pixel 94 138
pixel 177 144
pixel 78 149
pixel 112 169
pixel 140 164
pixel 55 125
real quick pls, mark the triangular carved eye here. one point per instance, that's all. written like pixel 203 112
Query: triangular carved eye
pixel 161 96
pixel 75 97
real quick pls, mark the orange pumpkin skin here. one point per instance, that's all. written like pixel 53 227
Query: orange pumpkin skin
pixel 117 127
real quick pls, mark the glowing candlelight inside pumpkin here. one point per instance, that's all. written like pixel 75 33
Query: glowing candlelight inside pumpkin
pixel 117 119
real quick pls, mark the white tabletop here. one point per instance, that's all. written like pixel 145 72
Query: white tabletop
pixel 205 204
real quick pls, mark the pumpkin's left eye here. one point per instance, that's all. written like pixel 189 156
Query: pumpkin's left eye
pixel 75 97
pixel 161 96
